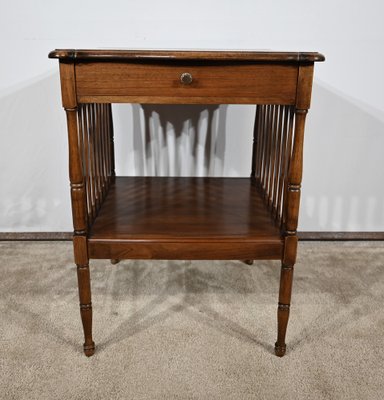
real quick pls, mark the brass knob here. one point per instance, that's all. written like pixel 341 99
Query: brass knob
pixel 186 78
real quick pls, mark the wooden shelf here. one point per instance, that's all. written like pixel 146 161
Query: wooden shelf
pixel 194 217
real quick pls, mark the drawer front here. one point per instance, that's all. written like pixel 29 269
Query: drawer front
pixel 187 84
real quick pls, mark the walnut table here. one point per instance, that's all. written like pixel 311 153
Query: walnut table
pixel 186 218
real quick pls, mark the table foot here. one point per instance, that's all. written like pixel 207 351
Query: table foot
pixel 280 350
pixel 89 350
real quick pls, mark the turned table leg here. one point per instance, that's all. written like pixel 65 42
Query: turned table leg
pixel 82 216
pixel 283 308
pixel 83 277
pixel 115 261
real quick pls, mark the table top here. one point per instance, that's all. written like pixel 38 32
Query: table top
pixel 211 55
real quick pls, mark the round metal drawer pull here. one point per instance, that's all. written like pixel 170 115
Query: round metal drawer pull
pixel 186 78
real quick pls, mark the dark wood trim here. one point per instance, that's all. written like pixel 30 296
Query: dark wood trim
pixel 303 236
pixel 163 55
pixel 334 236
pixel 33 236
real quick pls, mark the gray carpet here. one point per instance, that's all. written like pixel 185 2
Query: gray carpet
pixel 192 330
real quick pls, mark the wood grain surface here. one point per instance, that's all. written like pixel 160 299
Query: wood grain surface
pixel 213 84
pixel 174 55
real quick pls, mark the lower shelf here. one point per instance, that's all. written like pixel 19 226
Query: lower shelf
pixel 184 218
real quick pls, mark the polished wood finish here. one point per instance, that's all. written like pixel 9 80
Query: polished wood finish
pixel 292 203
pixel 159 208
pixel 186 218
pixel 73 55
pixel 78 197
pixel 211 84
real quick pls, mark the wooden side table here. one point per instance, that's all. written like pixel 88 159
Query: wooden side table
pixel 186 218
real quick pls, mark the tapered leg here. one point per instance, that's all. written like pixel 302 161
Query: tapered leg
pixel 83 277
pixel 115 261
pixel 283 308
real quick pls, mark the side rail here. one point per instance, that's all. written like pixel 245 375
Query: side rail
pixel 272 152
pixel 95 132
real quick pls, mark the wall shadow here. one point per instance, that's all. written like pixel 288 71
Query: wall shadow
pixel 34 157
pixel 343 166
pixel 178 140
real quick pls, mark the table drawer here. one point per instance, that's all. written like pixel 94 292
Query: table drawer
pixel 208 84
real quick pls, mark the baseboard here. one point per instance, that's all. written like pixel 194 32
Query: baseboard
pixel 331 236
pixel 303 236
pixel 35 236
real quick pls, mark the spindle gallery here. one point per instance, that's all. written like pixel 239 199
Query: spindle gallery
pixel 179 218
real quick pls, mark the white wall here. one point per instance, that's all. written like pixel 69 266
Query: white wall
pixel 344 164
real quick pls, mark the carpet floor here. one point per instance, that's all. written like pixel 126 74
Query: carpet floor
pixel 192 329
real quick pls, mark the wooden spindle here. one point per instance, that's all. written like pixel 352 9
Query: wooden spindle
pixel 255 141
pixel 277 161
pixel 112 144
pixel 102 150
pixel 87 163
pixel 90 165
pixel 262 146
pixel 108 142
pixel 92 157
pixel 82 140
pixel 105 148
pixel 287 159
pixel 107 145
pixel 260 141
pixel 273 155
pixel 98 151
pixel 284 138
pixel 84 145
pixel 269 150
pixel 266 147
